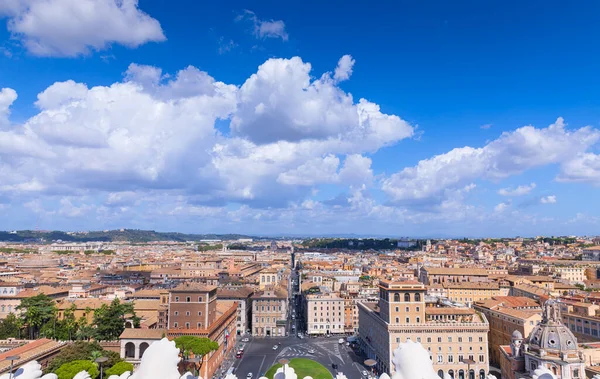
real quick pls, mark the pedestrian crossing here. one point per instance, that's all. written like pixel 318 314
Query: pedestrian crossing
pixel 298 351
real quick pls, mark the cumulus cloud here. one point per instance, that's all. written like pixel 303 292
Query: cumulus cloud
pixel 501 207
pixel 519 191
pixel 68 28
pixel 265 28
pixel 512 153
pixel 550 199
pixel 486 126
pixel 7 98
pixel 157 132
pixel 584 168
pixel 344 68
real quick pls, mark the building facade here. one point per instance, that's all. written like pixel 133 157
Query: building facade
pixel 456 338
pixel 324 314
pixel 269 312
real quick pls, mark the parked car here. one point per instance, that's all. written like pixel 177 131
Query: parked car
pixel 341 341
pixel 249 376
pixel 365 373
pixel 245 339
pixel 275 347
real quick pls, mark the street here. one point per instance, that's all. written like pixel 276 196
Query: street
pixel 259 355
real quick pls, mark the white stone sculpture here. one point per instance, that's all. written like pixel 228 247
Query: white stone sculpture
pixel 411 361
pixel 285 372
pixel 597 376
pixel 82 375
pixel 543 373
pixel 159 362
pixel 490 376
pixel 188 375
pixel 124 375
pixel 384 376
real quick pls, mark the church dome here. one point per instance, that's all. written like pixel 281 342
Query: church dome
pixel 516 335
pixel 551 333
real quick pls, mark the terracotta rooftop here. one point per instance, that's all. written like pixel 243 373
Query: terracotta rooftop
pixel 130 333
pixel 29 352
pixel 193 287
pixel 467 271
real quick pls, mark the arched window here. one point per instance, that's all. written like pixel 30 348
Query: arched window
pixel 143 347
pixel 451 373
pixel 406 297
pixel 417 297
pixel 471 374
pixel 441 373
pixel 461 374
pixel 481 374
pixel 397 297
pixel 129 350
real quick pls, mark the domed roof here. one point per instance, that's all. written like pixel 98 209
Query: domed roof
pixel 551 333
pixel 516 335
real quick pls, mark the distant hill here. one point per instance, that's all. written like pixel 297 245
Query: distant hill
pixel 128 235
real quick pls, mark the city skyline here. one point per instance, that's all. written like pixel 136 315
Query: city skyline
pixel 473 120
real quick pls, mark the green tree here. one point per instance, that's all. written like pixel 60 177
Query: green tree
pixel 37 311
pixel 70 369
pixel 110 320
pixel 81 350
pixel 197 345
pixel 10 327
pixel 119 369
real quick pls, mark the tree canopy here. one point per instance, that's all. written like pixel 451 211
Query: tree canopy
pixel 81 351
pixel 70 369
pixel 196 345
pixel 119 369
pixel 110 320
pixel 37 311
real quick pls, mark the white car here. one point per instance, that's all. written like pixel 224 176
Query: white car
pixel 365 373
pixel 245 339
pixel 249 376
pixel 275 347
pixel 311 351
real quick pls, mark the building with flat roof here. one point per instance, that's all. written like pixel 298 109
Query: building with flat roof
pixel 456 338
pixel 324 314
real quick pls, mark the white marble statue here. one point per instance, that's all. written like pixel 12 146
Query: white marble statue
pixel 490 376
pixel 82 375
pixel 543 373
pixel 30 370
pixel 411 361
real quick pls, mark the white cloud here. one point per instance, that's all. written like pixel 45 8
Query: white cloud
pixel 584 168
pixel 550 199
pixel 512 153
pixel 74 27
pixel 519 191
pixel 156 132
pixel 265 28
pixel 486 126
pixel 344 68
pixel 7 98
pixel 501 207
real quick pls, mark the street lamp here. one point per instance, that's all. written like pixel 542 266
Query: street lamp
pixel 469 362
pixel 370 363
pixel 101 360
pixel 11 358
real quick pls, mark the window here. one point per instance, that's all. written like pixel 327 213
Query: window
pixel 200 313
pixel 419 339
pixel 428 339
pixel 449 339
pixel 408 320
pixel 406 297
pixel 450 358
pixel 177 299
pixel 417 297
pixel 176 313
pixel 408 309
pixel 480 339
pixel 174 324
pixel 199 299
pixel 459 339
pixel 188 299
pixel 440 358
pixel 187 325
pixel 481 358
pixel 396 297
pixel 397 309
pixel 187 313
pixel 439 339
pixel 418 309
pixel 418 320
pixel 470 339
pixel 397 320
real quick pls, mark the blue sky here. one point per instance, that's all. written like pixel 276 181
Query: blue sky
pixel 397 118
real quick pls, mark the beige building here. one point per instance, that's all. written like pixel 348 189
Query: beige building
pixel 269 312
pixel 505 316
pixel 571 274
pixel 453 336
pixel 582 320
pixel 268 278
pixel 324 314
pixel 436 275
pixel 470 292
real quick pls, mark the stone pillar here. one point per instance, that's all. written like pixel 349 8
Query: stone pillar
pixel 137 350
pixel 123 349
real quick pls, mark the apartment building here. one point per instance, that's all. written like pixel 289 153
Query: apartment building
pixel 571 274
pixel 193 310
pixel 268 278
pixel 324 314
pixel 269 312
pixel 436 275
pixel 470 292
pixel 456 338
pixel 582 319
pixel 244 312
pixel 507 314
